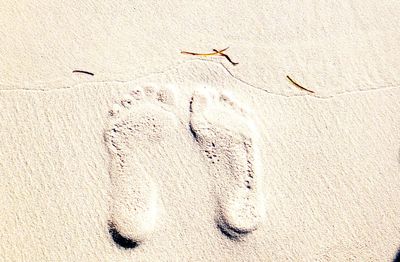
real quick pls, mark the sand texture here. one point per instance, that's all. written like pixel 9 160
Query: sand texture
pixel 163 156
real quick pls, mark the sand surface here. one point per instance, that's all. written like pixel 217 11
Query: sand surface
pixel 167 157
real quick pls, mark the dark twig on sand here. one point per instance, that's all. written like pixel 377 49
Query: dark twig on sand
pixel 299 86
pixel 215 53
pixel 83 72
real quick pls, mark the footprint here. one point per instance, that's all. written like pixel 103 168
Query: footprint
pixel 138 126
pixel 228 138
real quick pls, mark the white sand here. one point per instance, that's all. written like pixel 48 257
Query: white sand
pixel 300 176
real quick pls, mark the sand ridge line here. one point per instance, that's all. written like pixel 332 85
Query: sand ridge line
pixel 198 60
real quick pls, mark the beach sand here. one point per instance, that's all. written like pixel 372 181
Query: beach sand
pixel 162 156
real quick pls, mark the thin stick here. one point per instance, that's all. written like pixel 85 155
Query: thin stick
pixel 215 53
pixel 299 86
pixel 226 56
pixel 197 54
pixel 207 54
pixel 83 72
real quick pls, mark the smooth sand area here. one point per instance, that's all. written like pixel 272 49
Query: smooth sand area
pixel 162 156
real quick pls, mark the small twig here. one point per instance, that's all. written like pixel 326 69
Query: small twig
pixel 83 72
pixel 215 53
pixel 225 55
pixel 207 54
pixel 299 86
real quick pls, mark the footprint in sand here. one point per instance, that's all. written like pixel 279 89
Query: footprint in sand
pixel 137 129
pixel 228 138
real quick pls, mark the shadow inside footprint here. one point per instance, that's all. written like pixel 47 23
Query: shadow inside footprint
pixel 119 239
pixel 397 257
pixel 232 233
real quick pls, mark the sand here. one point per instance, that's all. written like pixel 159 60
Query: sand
pixel 161 156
